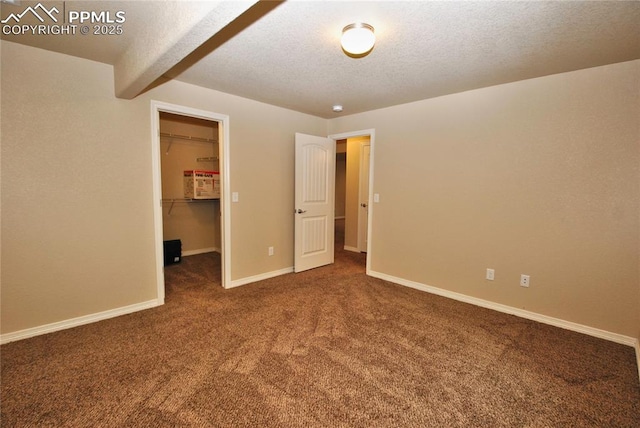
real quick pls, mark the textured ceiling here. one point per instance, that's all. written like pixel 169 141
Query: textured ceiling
pixel 289 54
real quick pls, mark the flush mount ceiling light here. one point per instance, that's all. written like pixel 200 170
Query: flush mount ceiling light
pixel 357 39
pixel 337 108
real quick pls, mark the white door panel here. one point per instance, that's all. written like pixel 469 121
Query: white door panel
pixel 314 201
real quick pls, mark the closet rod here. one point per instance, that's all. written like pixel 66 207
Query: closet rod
pixel 188 137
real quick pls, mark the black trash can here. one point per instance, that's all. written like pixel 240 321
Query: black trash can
pixel 172 251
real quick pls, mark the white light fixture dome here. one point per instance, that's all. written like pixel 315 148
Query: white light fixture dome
pixel 358 39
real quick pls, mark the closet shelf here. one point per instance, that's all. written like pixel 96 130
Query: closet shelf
pixel 185 200
pixel 184 137
pixel 188 137
pixel 189 200
pixel 207 159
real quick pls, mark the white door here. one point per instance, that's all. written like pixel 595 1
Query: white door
pixel 363 196
pixel 315 169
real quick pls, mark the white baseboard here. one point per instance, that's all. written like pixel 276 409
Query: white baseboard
pixel 262 276
pixel 75 322
pixel 200 251
pixel 354 249
pixel 567 325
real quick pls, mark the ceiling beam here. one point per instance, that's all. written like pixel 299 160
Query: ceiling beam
pixel 178 31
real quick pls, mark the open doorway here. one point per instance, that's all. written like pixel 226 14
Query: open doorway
pixel 190 175
pixel 354 172
pixel 314 198
pixel 186 139
pixel 352 191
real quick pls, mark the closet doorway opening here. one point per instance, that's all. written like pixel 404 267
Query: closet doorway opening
pixel 354 191
pixel 190 170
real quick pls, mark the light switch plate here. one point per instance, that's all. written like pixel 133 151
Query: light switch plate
pixel 490 274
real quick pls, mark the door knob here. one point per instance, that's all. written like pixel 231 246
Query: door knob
pixel 299 211
pixel 363 205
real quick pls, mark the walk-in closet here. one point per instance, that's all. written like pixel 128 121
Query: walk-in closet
pixel 190 197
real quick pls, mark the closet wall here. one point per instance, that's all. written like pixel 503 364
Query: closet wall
pixel 352 191
pixel 195 223
pixel 341 177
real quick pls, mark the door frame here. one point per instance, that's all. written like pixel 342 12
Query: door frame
pixel 225 210
pixel 371 133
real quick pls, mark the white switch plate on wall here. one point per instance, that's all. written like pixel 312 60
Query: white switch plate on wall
pixel 490 274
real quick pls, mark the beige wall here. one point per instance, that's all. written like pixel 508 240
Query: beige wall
pixel 196 224
pixel 539 177
pixel 77 217
pixel 76 225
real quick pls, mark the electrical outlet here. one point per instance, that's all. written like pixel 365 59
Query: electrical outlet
pixel 271 251
pixel 490 274
pixel 524 280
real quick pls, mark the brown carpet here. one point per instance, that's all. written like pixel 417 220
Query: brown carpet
pixel 325 348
